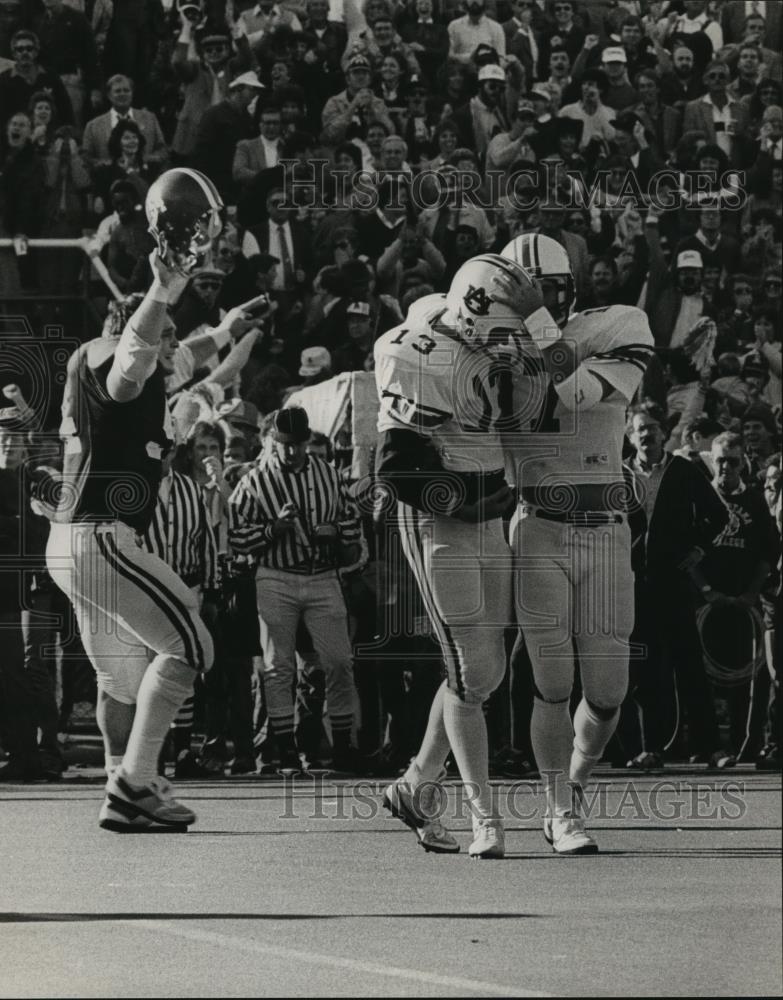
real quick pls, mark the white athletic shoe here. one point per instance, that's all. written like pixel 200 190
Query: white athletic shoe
pixel 129 809
pixel 567 835
pixel 417 808
pixel 489 840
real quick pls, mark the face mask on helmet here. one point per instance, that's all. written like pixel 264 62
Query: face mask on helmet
pixel 184 211
pixel 546 260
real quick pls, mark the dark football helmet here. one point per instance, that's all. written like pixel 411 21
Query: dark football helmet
pixel 184 211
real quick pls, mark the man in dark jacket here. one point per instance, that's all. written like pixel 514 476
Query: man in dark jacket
pixel 682 516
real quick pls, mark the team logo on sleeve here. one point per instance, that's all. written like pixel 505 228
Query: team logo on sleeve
pixel 477 300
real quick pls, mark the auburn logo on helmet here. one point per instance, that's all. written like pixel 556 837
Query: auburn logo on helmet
pixel 477 300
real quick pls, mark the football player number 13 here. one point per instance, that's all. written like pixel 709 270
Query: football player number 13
pixel 423 344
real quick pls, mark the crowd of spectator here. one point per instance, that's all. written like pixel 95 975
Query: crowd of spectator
pixel 365 149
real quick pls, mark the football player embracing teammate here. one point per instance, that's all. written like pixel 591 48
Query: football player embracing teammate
pixel 570 535
pixel 440 456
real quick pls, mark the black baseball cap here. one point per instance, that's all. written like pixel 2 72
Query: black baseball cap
pixel 290 425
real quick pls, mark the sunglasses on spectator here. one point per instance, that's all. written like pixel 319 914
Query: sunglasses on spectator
pixel 494 86
pixel 24 48
pixel 216 47
pixel 733 463
pixel 343 245
pixel 742 290
pixel 716 75
pixel 208 285
pixel 773 283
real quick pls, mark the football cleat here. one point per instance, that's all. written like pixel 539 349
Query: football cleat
pixel 127 808
pixel 489 840
pixel 566 835
pixel 417 808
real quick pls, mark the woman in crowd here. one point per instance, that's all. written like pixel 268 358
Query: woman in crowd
pixel 126 148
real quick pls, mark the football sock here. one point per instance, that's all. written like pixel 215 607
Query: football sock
pixel 434 750
pixel 592 731
pixel 467 732
pixel 165 686
pixel 552 736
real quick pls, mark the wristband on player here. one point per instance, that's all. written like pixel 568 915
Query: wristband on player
pixel 542 328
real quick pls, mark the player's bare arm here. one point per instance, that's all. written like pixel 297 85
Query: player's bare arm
pixel 136 355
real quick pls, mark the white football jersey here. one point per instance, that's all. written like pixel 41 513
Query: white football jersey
pixel 577 438
pixel 429 382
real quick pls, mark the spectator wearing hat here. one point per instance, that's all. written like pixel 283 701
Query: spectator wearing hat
pixel 682 83
pixel 485 115
pixel 201 63
pixel 27 76
pixel 474 28
pixel 723 120
pixel 221 128
pixel 674 301
pixel 97 132
pixel 354 353
pixel 507 148
pixel 663 123
pixel 295 517
pixel 596 118
pixel 315 366
pixel 355 107
pixel 564 35
pixel 619 93
pixel 522 40
pixel 68 48
pixel 428 39
pixel 263 152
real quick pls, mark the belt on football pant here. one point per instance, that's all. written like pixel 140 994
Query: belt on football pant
pixel 577 518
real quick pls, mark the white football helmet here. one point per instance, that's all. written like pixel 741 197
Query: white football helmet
pixel 488 301
pixel 546 260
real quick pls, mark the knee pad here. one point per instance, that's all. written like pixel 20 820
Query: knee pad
pixel 554 687
pixel 175 676
pixel 609 695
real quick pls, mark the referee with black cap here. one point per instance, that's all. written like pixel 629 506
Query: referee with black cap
pixel 293 514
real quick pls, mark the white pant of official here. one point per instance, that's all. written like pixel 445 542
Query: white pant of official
pixel 574 593
pixel 464 575
pixel 129 604
pixel 285 599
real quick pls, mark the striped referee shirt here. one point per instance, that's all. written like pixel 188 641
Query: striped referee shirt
pixel 321 498
pixel 181 534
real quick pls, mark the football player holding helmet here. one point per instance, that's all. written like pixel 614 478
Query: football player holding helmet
pixel 184 211
pixel 570 536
